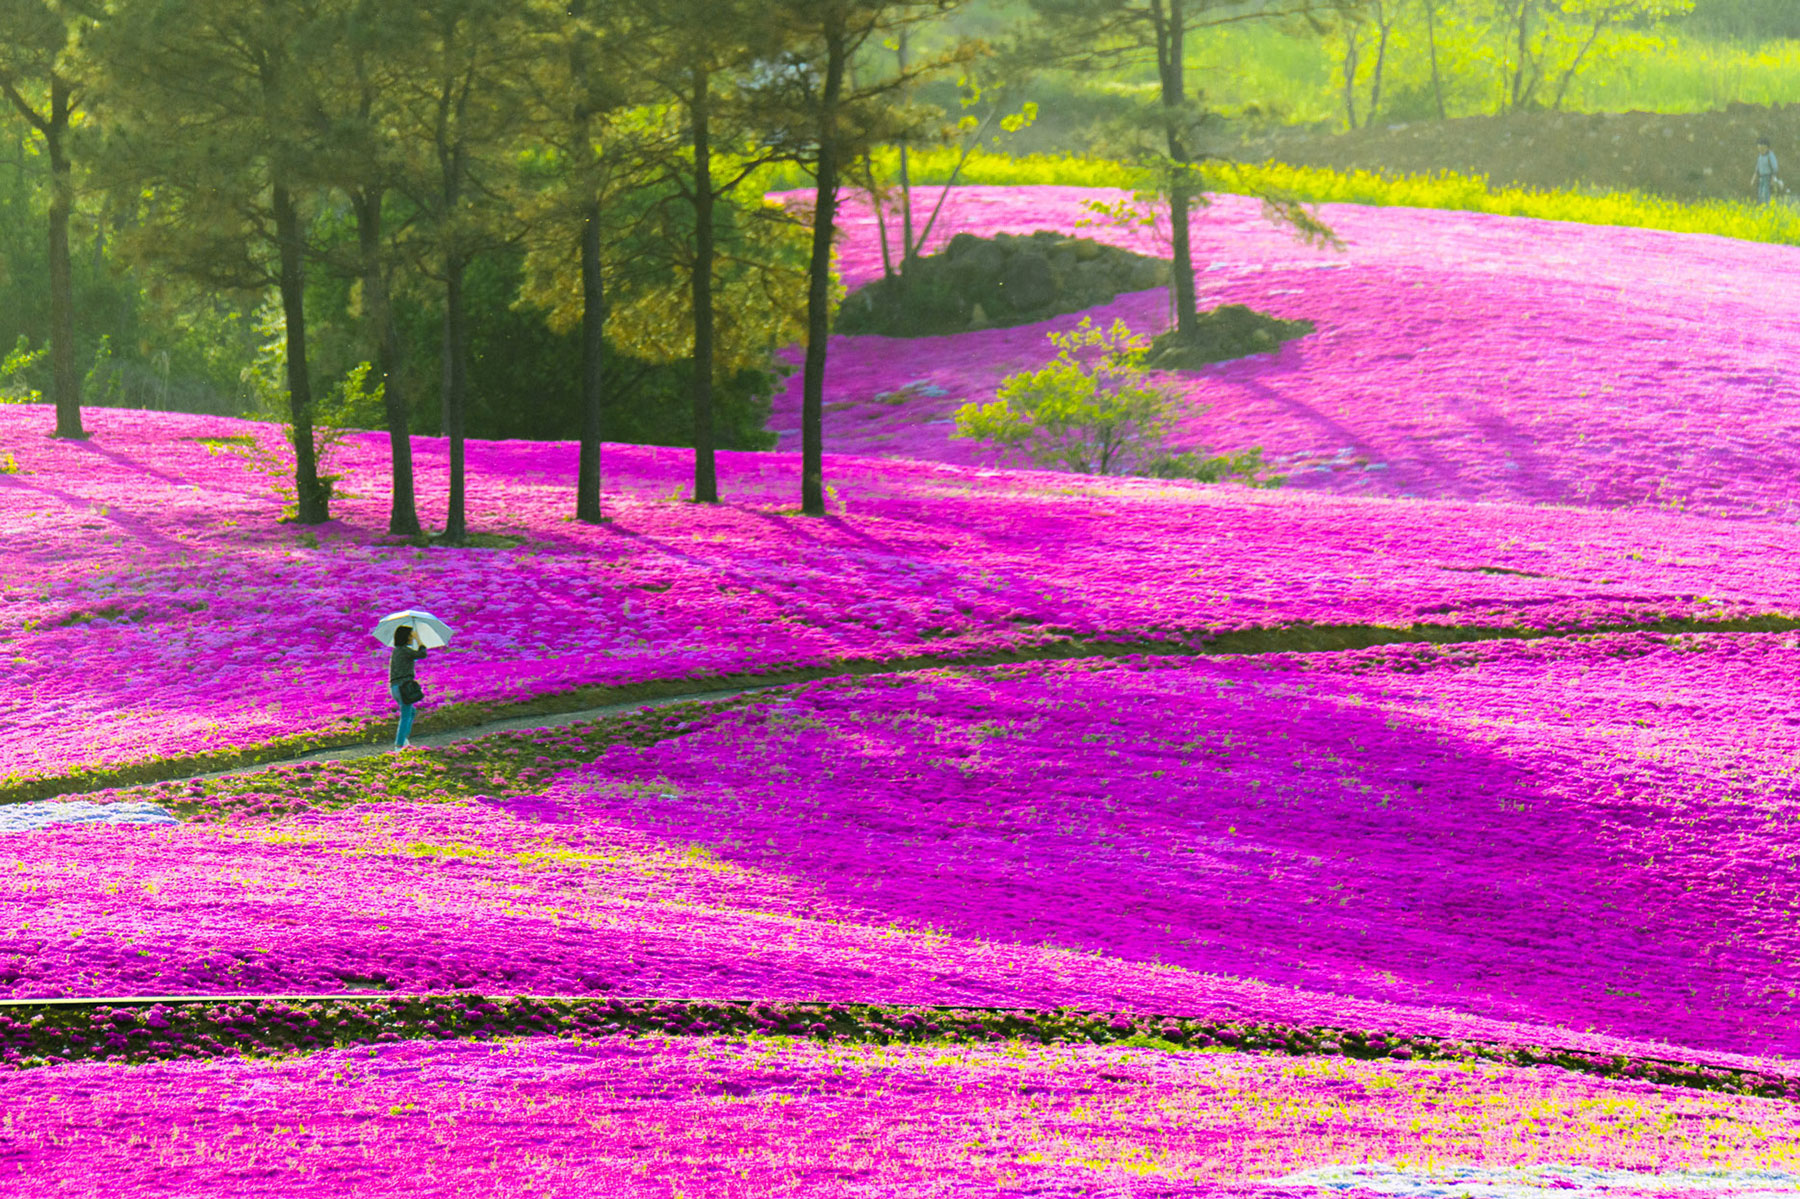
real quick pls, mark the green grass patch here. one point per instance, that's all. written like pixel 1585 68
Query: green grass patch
pixel 123 1031
pixel 1294 76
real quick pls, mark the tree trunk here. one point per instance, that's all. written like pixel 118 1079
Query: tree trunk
pixel 706 481
pixel 452 155
pixel 1568 76
pixel 1170 48
pixel 588 479
pixel 908 247
pixel 879 206
pixel 1437 86
pixel 1381 45
pixel 65 382
pixel 403 511
pixel 456 388
pixel 818 283
pixel 310 496
pixel 1352 60
pixel 1519 91
pixel 593 345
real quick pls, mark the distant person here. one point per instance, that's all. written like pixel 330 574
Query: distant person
pixel 401 685
pixel 1766 166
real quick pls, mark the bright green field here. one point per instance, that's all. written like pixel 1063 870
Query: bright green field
pixel 1295 76
pixel 1299 78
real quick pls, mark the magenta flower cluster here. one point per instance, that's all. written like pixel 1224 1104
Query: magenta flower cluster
pixel 746 1119
pixel 1457 355
pixel 152 608
pixel 1581 843
pixel 1576 842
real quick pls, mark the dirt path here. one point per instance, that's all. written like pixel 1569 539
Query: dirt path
pixel 473 732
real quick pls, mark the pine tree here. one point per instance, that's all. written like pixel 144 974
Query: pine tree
pixel 357 107
pixel 36 41
pixel 578 83
pixel 206 106
pixel 697 51
pixel 464 116
pixel 830 121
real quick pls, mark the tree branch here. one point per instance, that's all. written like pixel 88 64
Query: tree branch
pixel 41 124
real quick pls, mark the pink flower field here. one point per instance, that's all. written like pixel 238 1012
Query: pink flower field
pixel 741 1120
pixel 155 611
pixel 1524 842
pixel 1458 355
pixel 1456 777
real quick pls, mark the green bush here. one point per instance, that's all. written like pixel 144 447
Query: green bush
pixel 1094 410
pixel 15 387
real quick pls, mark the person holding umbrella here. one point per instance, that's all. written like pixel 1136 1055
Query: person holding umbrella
pixel 409 633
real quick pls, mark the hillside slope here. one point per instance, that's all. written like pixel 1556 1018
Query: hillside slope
pixel 1457 354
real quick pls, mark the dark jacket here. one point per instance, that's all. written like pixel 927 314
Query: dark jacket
pixel 400 663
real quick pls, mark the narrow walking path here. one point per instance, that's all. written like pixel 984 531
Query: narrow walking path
pixel 475 732
pixel 462 722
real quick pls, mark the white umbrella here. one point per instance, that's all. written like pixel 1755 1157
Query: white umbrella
pixel 428 630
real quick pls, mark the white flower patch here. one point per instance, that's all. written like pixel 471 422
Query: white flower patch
pixel 1522 1182
pixel 41 814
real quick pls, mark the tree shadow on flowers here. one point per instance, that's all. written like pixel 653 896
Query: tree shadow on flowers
pixel 1227 819
pixel 141 530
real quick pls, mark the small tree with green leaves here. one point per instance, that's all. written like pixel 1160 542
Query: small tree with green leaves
pixel 1095 410
pixel 1551 40
pixel 15 387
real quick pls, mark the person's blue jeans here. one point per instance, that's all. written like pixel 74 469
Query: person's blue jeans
pixel 1764 186
pixel 402 733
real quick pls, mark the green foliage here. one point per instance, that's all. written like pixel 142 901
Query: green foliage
pixel 1692 74
pixel 265 376
pixel 525 375
pixel 1743 51
pixel 1747 20
pixel 266 380
pixel 108 301
pixel 197 345
pixel 352 403
pixel 14 387
pixel 1091 409
pixel 1247 467
pixel 1288 75
pixel 1775 223
pixel 1094 410
pixel 103 386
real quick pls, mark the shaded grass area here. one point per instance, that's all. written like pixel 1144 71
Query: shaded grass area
pixel 35 1034
pixel 1301 638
